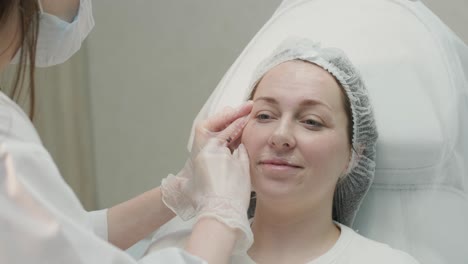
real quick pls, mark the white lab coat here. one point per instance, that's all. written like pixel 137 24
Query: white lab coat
pixel 41 219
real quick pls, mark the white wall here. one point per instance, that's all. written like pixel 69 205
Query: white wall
pixel 152 64
pixel 454 13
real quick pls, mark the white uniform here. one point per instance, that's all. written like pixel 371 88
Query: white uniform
pixel 351 248
pixel 41 219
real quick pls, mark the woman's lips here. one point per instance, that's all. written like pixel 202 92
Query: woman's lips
pixel 279 164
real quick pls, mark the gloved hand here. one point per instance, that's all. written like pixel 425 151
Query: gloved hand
pixel 215 182
pixel 224 125
pixel 220 188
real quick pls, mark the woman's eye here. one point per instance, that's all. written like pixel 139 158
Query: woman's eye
pixel 313 123
pixel 263 117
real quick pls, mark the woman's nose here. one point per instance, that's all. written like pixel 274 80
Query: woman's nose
pixel 282 137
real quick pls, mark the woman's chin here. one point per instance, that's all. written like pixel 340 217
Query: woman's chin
pixel 274 188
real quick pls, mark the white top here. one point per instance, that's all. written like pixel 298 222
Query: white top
pixel 350 248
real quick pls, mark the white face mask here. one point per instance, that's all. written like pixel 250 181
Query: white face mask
pixel 58 40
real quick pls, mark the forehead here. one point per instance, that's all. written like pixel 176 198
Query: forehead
pixel 299 80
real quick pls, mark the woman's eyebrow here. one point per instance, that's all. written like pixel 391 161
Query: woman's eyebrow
pixel 312 102
pixel 306 102
pixel 267 99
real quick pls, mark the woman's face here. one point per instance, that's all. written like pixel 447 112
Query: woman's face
pixel 297 136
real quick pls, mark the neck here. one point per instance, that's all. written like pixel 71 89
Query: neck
pixel 291 233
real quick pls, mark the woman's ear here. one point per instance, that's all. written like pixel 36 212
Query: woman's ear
pixel 356 152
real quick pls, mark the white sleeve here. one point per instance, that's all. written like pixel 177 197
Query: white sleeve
pixel 42 221
pixel 99 223
pixel 171 255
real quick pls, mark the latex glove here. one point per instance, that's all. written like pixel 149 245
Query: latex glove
pixel 214 182
pixel 227 126
pixel 220 188
pixel 222 125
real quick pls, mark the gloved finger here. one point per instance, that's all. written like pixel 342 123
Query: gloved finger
pixel 227 136
pixel 233 131
pixel 242 152
pixel 243 159
pixel 242 155
pixel 211 127
pixel 223 119
pixel 235 144
pixel 216 146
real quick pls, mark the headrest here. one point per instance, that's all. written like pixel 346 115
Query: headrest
pixel 408 69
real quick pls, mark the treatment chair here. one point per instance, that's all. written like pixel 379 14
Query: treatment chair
pixel 416 71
